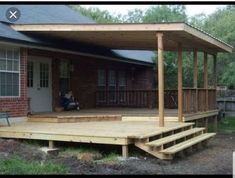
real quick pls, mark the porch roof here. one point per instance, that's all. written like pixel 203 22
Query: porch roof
pixel 130 36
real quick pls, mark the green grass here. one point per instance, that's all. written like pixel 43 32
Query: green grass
pixel 71 151
pixel 111 157
pixel 36 143
pixel 227 125
pixel 17 165
pixel 106 157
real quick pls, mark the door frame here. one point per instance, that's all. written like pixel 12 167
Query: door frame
pixel 33 58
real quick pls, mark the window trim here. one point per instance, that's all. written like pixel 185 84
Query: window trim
pixel 15 72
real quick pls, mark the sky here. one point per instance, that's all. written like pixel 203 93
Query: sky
pixel 190 9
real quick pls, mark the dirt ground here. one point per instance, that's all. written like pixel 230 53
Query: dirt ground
pixel 215 159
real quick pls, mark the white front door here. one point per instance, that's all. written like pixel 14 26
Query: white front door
pixel 39 84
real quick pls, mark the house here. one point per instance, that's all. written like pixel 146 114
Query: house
pixel 45 53
pixel 42 69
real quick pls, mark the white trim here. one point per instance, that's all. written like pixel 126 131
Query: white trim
pixel 13 72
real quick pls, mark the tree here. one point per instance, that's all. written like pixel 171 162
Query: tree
pixel 100 16
pixel 133 16
pixel 221 25
pixel 165 13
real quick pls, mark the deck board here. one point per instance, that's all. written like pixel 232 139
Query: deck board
pixel 94 130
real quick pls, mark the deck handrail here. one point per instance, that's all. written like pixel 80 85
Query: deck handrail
pixel 194 99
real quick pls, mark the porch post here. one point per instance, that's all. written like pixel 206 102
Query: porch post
pixel 206 78
pixel 160 79
pixel 195 68
pixel 215 71
pixel 195 73
pixel 180 84
pixel 215 85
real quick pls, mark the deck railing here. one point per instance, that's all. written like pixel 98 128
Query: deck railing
pixel 194 100
pixel 197 100
pixel 135 98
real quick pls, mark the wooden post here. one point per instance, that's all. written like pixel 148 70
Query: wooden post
pixel 180 84
pixel 160 79
pixel 215 71
pixel 206 78
pixel 51 144
pixel 125 151
pixel 195 73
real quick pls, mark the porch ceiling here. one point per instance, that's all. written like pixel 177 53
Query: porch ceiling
pixel 131 36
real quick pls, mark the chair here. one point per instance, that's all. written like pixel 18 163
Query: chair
pixel 4 115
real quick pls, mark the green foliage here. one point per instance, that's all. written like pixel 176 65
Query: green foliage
pixel 17 166
pixel 71 151
pixel 165 13
pixel 228 77
pixel 133 16
pixel 227 125
pixel 111 157
pixel 100 16
pixel 221 25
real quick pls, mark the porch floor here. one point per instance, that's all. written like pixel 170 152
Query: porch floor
pixel 112 126
pixel 104 132
pixel 116 114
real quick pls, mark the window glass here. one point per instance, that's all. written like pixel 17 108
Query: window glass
pixel 9 71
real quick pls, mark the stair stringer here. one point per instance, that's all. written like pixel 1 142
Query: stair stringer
pixel 141 144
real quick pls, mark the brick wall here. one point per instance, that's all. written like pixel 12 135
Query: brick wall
pixel 18 105
pixel 83 79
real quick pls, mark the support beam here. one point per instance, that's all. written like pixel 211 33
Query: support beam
pixel 206 78
pixel 160 79
pixel 125 151
pixel 195 68
pixel 215 71
pixel 51 144
pixel 180 84
pixel 195 74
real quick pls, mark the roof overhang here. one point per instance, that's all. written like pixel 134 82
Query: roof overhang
pixel 131 36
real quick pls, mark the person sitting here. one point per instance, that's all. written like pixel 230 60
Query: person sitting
pixel 69 102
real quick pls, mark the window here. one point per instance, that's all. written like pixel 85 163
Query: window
pixel 101 85
pixel 122 85
pixel 64 77
pixel 112 86
pixel 9 71
pixel 44 75
pixel 101 78
pixel 30 74
pixel 121 80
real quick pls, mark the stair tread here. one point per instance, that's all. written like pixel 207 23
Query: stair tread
pixel 142 136
pixel 174 137
pixel 187 143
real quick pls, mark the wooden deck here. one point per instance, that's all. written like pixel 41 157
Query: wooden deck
pixel 104 132
pixel 116 114
pixel 114 126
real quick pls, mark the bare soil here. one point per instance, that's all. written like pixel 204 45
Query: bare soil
pixel 214 159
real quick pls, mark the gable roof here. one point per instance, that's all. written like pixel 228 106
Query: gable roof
pixel 45 14
pixel 59 14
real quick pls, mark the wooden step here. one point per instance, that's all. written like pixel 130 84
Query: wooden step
pixel 181 146
pixel 74 118
pixel 174 137
pixel 164 130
